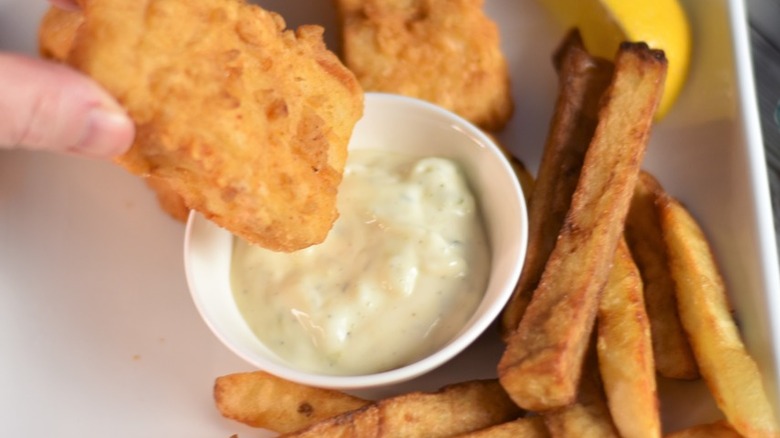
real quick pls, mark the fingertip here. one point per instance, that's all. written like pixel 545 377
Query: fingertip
pixel 49 106
pixel 107 133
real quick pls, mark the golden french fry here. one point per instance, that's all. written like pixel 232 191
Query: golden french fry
pixel 523 176
pixel 625 351
pixel 541 365
pixel 728 370
pixel 455 409
pixel 260 399
pixel 582 81
pixel 673 355
pixel 527 427
pixel 589 416
pixel 718 429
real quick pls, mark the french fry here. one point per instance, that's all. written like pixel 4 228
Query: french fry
pixel 673 355
pixel 527 427
pixel 589 416
pixel 728 370
pixel 541 365
pixel 625 351
pixel 455 409
pixel 582 81
pixel 718 429
pixel 260 399
pixel 525 178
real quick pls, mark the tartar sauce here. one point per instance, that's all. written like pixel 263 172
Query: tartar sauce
pixel 400 273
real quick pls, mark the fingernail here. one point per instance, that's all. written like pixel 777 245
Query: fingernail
pixel 108 133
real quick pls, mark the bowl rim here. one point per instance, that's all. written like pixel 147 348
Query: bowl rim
pixel 461 340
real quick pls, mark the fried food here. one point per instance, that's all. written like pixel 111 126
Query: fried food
pixel 731 375
pixel 55 38
pixel 582 80
pixel 718 429
pixel 541 365
pixel 56 32
pixel 524 177
pixel 247 121
pixel 169 200
pixel 444 51
pixel 589 416
pixel 455 409
pixel 527 427
pixel 673 355
pixel 259 399
pixel 625 351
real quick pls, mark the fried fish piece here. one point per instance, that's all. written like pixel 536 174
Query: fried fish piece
pixel 169 200
pixel 247 121
pixel 56 32
pixel 55 38
pixel 443 51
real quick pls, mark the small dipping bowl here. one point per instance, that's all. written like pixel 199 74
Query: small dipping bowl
pixel 404 125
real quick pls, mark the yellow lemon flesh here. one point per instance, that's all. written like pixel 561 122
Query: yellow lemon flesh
pixel 604 24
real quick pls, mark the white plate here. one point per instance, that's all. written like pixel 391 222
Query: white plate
pixel 99 337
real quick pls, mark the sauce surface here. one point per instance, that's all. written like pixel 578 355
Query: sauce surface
pixel 401 272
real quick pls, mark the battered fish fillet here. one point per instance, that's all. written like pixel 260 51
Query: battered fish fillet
pixel 55 39
pixel 169 200
pixel 246 121
pixel 57 31
pixel 443 51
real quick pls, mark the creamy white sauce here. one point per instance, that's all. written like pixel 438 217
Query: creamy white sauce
pixel 400 273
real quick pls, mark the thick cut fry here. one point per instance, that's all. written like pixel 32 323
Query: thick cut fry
pixel 444 51
pixel 524 177
pixel 728 370
pixel 455 409
pixel 582 81
pixel 718 429
pixel 673 355
pixel 625 351
pixel 528 427
pixel 260 399
pixel 589 416
pixel 541 365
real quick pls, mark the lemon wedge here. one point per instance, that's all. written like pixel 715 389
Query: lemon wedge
pixel 604 24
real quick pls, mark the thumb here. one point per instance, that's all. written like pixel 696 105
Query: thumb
pixel 48 106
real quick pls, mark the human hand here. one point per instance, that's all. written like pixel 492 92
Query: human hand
pixel 48 106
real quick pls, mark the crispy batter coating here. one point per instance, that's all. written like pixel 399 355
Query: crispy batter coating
pixel 56 32
pixel 169 200
pixel 247 121
pixel 55 38
pixel 443 51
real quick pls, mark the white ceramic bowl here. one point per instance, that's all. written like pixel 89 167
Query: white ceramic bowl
pixel 406 125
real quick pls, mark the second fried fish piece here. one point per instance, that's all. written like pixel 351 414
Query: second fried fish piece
pixel 247 121
pixel 444 51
